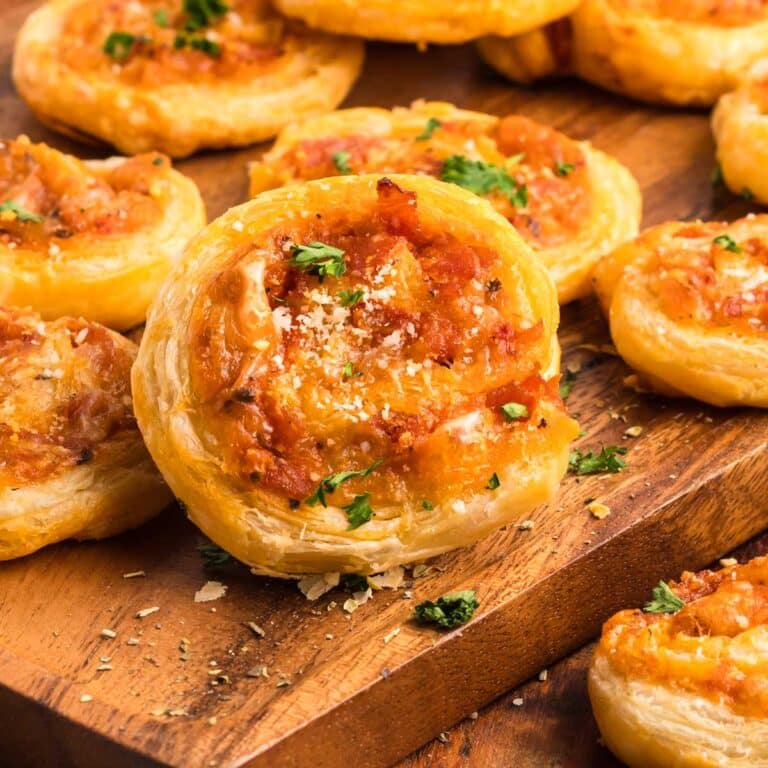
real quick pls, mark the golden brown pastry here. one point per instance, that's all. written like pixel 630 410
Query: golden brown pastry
pixel 686 683
pixel 669 51
pixel 93 238
pixel 177 76
pixel 740 125
pixel 570 202
pixel 352 373
pixel 72 461
pixel 688 308
pixel 426 21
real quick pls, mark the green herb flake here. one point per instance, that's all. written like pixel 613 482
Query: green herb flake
pixel 349 372
pixel 564 169
pixel 214 556
pixel 664 600
pixel 514 411
pixel 332 482
pixel 427 505
pixel 594 464
pixel 206 46
pixel 202 13
pixel 350 298
pixel 450 611
pixel 341 161
pixel 483 178
pixel 432 125
pixel 119 45
pixel 493 482
pixel 747 194
pixel 160 17
pixel 566 384
pixel 22 214
pixel 318 259
pixel 158 161
pixel 727 243
pixel 358 511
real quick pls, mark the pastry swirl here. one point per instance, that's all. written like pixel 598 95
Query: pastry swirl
pixel 93 238
pixel 353 373
pixel 145 75
pixel 570 202
pixel 688 308
pixel 72 461
pixel 689 688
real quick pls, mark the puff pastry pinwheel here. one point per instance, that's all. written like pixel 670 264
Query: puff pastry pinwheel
pixel 177 75
pixel 569 201
pixel 685 683
pixel 93 238
pixel 72 461
pixel 352 373
pixel 688 308
pixel 426 21
pixel 740 125
pixel 668 51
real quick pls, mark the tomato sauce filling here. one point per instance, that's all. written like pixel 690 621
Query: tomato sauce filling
pixel 714 279
pixel 691 649
pixel 725 13
pixel 164 45
pixel 405 358
pixel 64 392
pixel 550 166
pixel 51 197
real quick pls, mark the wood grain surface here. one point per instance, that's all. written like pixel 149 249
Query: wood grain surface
pixel 337 692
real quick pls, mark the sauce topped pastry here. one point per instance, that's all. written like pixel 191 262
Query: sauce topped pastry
pixel 570 202
pixel 126 70
pixel 72 461
pixel 368 376
pixel 688 308
pixel 90 238
pixel 669 51
pixel 685 682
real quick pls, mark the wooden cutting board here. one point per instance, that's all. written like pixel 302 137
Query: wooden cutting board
pixel 368 687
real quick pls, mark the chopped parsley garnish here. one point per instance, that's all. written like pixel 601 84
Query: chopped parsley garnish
pixel 664 600
pixel 716 178
pixel 566 384
pixel 349 371
pixel 341 161
pixel 563 169
pixel 202 44
pixel 427 505
pixel 318 259
pixel 118 45
pixel 214 556
pixel 493 482
pixel 332 482
pixel 358 511
pixel 593 464
pixel 482 178
pixel 160 17
pixel 727 243
pixel 432 125
pixel 350 298
pixel 514 411
pixel 202 13
pixel 22 214
pixel 747 194
pixel 158 161
pixel 451 610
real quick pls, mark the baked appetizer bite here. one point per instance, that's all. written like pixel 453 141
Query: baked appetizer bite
pixel 72 461
pixel 684 683
pixel 426 21
pixel 570 202
pixel 740 125
pixel 688 308
pixel 177 75
pixel 94 238
pixel 352 373
pixel 668 51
